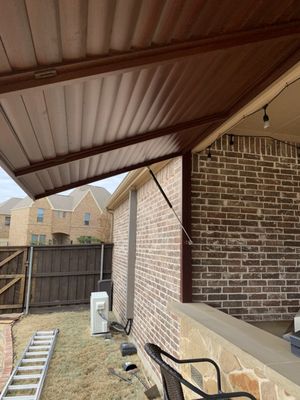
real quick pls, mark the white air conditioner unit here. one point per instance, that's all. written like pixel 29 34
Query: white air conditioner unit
pixel 297 322
pixel 99 313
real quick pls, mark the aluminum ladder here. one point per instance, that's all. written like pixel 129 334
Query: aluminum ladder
pixel 27 379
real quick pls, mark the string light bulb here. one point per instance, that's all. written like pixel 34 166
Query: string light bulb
pixel 266 117
pixel 231 142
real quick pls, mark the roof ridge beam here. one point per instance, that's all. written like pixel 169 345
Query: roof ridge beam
pixel 128 141
pixel 93 66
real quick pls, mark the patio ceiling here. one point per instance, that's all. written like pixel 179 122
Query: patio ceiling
pixel 93 88
pixel 284 114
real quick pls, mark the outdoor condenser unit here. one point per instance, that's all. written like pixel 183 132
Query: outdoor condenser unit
pixel 297 322
pixel 99 313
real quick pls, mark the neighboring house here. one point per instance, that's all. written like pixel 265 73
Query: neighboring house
pixel 78 217
pixel 5 216
pixel 241 207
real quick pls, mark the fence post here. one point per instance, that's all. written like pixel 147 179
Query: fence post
pixel 102 262
pixel 29 280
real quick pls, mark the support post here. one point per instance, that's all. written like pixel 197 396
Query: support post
pixel 186 249
pixel 131 253
pixel 29 280
pixel 102 262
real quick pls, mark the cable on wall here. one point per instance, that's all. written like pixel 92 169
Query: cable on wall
pixel 266 118
pixel 190 242
pixel 266 123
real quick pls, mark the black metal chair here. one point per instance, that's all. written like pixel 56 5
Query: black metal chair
pixel 173 380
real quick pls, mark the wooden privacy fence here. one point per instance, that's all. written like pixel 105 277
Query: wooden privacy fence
pixel 59 275
pixel 12 278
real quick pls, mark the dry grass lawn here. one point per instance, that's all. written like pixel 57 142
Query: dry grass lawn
pixel 78 368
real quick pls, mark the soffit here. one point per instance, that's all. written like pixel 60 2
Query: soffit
pixel 133 81
pixel 284 114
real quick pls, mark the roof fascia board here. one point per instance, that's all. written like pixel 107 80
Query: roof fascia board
pixel 257 103
pixel 97 66
pixel 49 202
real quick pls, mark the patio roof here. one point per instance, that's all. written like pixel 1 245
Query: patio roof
pixel 89 89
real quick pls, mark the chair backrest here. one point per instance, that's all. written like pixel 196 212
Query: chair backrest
pixel 170 377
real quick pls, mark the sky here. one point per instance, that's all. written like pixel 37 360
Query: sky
pixel 8 187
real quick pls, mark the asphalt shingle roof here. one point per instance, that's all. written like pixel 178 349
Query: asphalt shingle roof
pixel 6 206
pixel 69 202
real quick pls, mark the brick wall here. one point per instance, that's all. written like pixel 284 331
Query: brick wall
pixel 157 273
pixel 158 260
pixel 99 225
pixel 39 228
pixel 4 229
pixel 19 227
pixel 245 209
pixel 24 222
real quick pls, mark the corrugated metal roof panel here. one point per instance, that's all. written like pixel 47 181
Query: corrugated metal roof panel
pixel 47 32
pixel 48 128
pixel 103 164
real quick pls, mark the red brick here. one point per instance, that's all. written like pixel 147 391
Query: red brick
pixel 261 228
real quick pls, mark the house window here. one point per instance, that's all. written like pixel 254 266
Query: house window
pixel 42 239
pixel 60 214
pixel 34 239
pixel 38 239
pixel 87 218
pixel 7 220
pixel 40 215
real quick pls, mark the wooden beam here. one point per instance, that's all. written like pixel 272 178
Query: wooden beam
pixel 6 306
pixel 9 276
pixel 60 274
pixel 186 249
pixel 11 257
pixel 9 284
pixel 107 175
pixel 41 76
pixel 128 141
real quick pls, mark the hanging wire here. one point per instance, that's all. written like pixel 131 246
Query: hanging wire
pixel 261 109
pixel 190 242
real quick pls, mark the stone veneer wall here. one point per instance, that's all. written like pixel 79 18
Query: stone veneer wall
pixel 238 372
pixel 157 271
pixel 246 225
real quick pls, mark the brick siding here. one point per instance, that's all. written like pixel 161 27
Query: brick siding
pixel 72 224
pixel 245 221
pixel 157 271
pixel 4 229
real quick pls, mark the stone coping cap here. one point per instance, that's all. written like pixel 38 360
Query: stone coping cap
pixel 271 351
